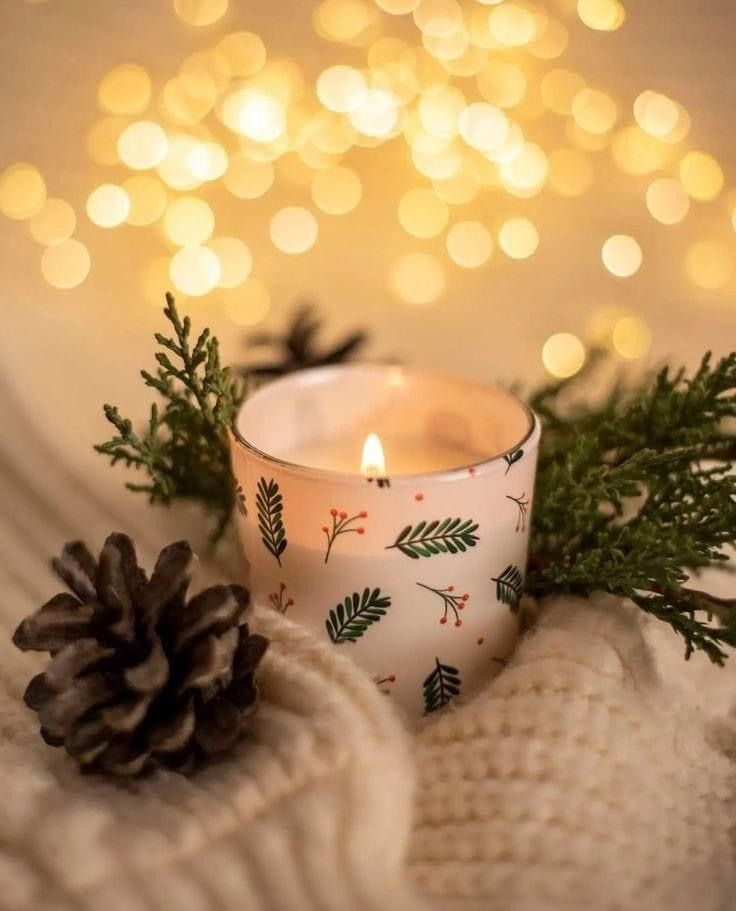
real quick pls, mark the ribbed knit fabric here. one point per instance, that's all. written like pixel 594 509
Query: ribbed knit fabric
pixel 581 778
pixel 311 812
pixel 596 772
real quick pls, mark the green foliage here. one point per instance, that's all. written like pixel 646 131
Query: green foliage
pixel 184 448
pixel 635 495
pixel 430 539
pixel 270 505
pixel 441 686
pixel 509 586
pixel 350 619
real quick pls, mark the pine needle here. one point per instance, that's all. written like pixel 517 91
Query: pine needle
pixel 183 450
pixel 636 495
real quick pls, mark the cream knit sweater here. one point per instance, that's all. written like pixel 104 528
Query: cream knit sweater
pixel 596 772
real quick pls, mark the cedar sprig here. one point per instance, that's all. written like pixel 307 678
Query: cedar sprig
pixel 183 450
pixel 636 495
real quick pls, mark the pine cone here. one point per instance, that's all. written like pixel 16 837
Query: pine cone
pixel 139 676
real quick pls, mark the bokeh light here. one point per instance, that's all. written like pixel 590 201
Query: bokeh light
pixel 195 270
pixel 621 255
pixel 207 161
pixel 53 223
pixel 200 12
pixel 422 213
pixel 469 244
pixel 377 115
pixel 147 197
pixel 108 206
pixel 248 179
pixel 594 111
pixel 259 116
pixel 657 114
pixel 343 20
pixel 709 264
pixel 143 145
pixel 512 25
pixel 631 337
pixel 240 54
pixel 337 191
pixel 502 83
pixel 22 191
pixel 175 170
pixel 602 15
pixel 667 201
pixel 418 278
pixel 189 221
pixel 518 238
pixel 65 265
pixel 483 126
pixel 294 230
pixel 102 140
pixel 236 260
pixel 125 89
pixel 563 354
pixel 397 7
pixel 341 88
pixel 701 176
pixel 559 88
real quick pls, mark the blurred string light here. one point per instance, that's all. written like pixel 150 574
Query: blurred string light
pixel 563 354
pixel 621 255
pixel 54 222
pixel 479 91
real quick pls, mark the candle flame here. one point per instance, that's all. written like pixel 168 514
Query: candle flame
pixel 373 463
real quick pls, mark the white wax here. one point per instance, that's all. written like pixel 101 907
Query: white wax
pixel 403 456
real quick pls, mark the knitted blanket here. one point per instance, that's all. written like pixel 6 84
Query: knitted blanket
pixel 595 772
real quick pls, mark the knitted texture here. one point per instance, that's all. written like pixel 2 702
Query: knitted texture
pixel 596 772
pixel 581 778
pixel 302 815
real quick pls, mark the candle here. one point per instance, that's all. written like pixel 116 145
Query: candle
pixel 387 510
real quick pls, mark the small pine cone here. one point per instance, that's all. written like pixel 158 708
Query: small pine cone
pixel 140 676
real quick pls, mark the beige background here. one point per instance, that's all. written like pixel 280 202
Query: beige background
pixel 63 353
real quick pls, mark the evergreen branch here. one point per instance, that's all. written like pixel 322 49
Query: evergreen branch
pixel 441 686
pixel 428 539
pixel 184 447
pixel 270 518
pixel 636 494
pixel 509 586
pixel 350 619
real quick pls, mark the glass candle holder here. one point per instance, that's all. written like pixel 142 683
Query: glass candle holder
pixel 387 509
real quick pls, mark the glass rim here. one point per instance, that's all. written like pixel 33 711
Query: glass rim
pixel 484 465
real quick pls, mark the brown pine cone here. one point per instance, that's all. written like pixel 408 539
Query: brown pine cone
pixel 139 676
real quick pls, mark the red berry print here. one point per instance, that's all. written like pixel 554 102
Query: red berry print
pixel 472 472
pixel 522 506
pixel 419 497
pixel 342 524
pixel 450 603
pixel 278 601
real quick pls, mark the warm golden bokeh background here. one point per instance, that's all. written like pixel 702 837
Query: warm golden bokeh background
pixel 489 186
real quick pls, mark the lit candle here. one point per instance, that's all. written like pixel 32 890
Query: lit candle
pixel 387 510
